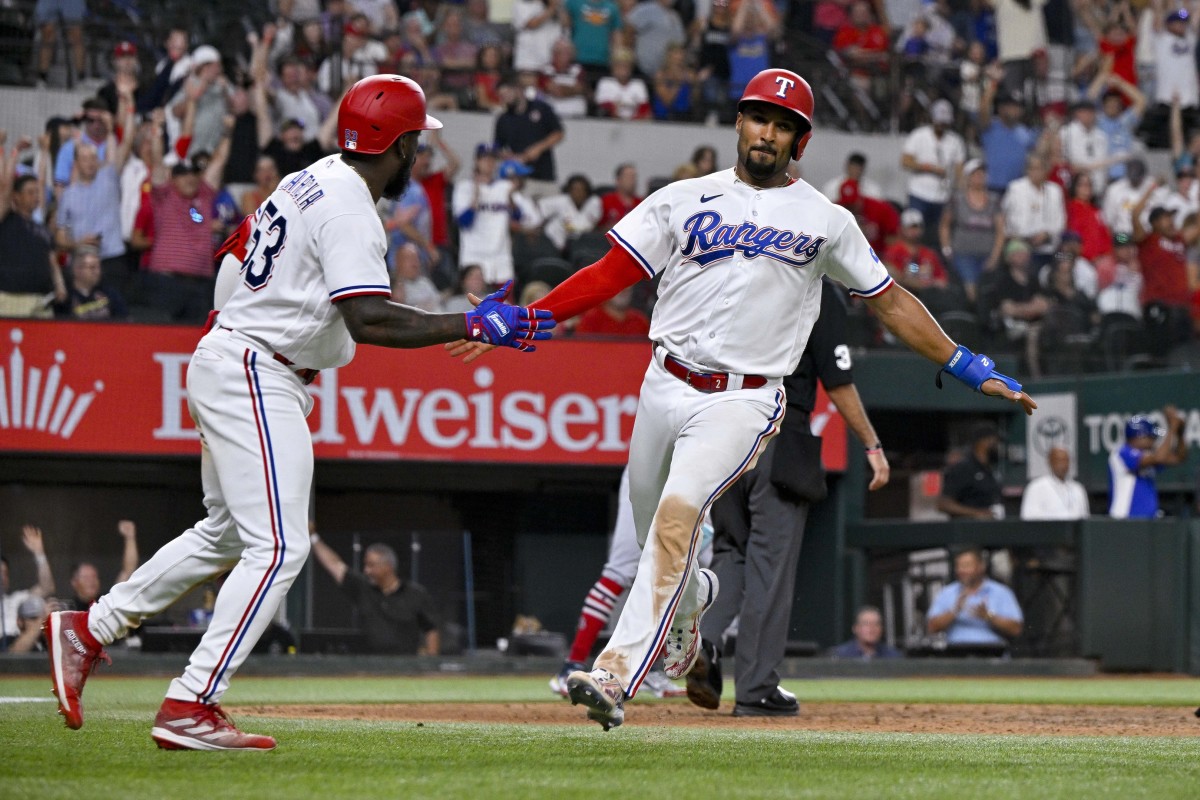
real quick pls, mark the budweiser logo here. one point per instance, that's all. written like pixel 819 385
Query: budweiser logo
pixel 37 398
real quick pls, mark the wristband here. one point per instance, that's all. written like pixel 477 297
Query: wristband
pixel 875 448
pixel 313 538
pixel 973 370
pixel 39 559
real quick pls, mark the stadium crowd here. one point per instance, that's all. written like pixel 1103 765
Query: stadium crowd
pixel 1030 222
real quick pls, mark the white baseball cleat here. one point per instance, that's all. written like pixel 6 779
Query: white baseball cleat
pixel 659 685
pixel 683 639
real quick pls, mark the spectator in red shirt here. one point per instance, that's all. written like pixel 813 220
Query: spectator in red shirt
pixel 877 219
pixel 621 200
pixel 615 317
pixel 913 265
pixel 1085 218
pixel 863 45
pixel 178 284
pixel 436 185
pixel 1119 44
pixel 1162 251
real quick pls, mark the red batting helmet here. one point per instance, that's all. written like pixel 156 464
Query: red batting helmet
pixel 786 89
pixel 377 110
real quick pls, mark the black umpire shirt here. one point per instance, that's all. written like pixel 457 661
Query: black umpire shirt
pixel 394 623
pixel 826 357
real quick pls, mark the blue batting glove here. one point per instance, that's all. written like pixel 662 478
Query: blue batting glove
pixel 974 370
pixel 496 323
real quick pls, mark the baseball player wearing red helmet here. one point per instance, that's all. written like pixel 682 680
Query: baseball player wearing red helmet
pixel 741 253
pixel 311 283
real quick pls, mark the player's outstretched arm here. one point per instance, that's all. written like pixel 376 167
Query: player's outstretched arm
pixel 911 323
pixel 373 319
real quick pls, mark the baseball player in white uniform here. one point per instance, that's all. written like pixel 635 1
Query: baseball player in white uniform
pixel 741 253
pixel 312 283
pixel 624 553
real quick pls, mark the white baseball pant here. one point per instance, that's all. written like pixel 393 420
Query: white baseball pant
pixel 687 448
pixel 256 467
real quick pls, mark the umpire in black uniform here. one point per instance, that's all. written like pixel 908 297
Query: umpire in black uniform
pixel 759 524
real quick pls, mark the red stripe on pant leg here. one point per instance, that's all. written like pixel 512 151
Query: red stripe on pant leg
pixel 274 534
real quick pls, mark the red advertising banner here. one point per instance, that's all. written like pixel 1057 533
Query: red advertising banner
pixel 121 390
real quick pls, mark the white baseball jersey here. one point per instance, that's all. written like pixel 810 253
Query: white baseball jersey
pixel 483 236
pixel 742 266
pixel 316 240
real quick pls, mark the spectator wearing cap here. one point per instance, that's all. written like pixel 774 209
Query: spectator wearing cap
pixel 292 150
pixel 359 57
pixel 1134 466
pixel 622 199
pixel 96 127
pixel 969 486
pixel 48 15
pixel 89 211
pixel 972 231
pixel 1034 210
pixel 1085 220
pixel 1017 303
pixel 1162 253
pixel 483 208
pixel 28 271
pixel 933 155
pixel 538 25
pixel 1122 105
pixel 1085 145
pixel 878 219
pixel 178 282
pixel 529 130
pixel 1123 294
pixel 576 211
pixel 126 71
pixel 1005 138
pixel 31 616
pixel 1175 62
pixel 206 90
pixel 855 169
pixel 31 537
pixel 87 297
pixel 913 265
pixel 623 95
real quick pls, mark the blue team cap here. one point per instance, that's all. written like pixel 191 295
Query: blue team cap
pixel 1139 425
pixel 1178 15
pixel 511 168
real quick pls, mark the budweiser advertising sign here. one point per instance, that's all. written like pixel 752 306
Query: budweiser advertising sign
pixel 121 390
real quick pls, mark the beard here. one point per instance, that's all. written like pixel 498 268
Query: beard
pixel 757 169
pixel 399 182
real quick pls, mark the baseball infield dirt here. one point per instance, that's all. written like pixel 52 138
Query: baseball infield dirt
pixel 1046 720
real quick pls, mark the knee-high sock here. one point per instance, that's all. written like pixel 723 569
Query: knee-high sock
pixel 597 610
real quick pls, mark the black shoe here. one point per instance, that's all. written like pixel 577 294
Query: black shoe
pixel 704 683
pixel 779 703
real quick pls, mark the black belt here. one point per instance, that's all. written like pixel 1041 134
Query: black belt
pixel 708 382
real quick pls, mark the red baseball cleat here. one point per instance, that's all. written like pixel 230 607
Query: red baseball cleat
pixel 181 725
pixel 73 655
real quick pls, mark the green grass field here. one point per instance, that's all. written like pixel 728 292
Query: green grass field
pixel 113 755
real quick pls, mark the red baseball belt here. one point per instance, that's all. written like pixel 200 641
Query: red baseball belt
pixel 708 382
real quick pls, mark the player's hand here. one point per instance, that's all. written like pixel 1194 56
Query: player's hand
pixel 127 529
pixel 981 610
pixel 979 372
pixel 997 388
pixel 496 323
pixel 467 350
pixel 31 537
pixel 883 470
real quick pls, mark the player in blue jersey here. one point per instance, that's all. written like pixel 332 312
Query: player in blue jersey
pixel 1134 466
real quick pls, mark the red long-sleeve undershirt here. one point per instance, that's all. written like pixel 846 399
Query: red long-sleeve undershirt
pixel 593 284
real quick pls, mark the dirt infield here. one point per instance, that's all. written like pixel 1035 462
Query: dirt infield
pixel 994 718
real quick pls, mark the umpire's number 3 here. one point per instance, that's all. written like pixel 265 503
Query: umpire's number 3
pixel 266 243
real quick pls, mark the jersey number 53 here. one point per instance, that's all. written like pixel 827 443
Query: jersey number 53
pixel 265 245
